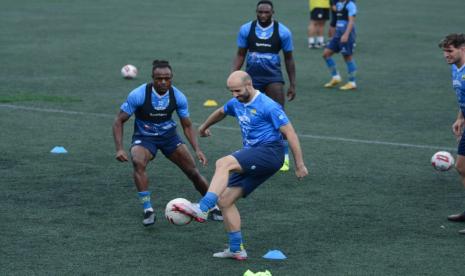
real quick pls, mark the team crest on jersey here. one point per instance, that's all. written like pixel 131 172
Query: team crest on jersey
pixel 253 111
pixel 463 77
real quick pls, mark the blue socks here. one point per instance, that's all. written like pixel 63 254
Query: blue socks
pixel 145 199
pixel 235 241
pixel 332 66
pixel 351 69
pixel 208 201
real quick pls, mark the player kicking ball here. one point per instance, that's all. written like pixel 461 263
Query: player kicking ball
pixel 263 124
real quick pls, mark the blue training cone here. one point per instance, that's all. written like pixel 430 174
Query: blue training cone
pixel 59 149
pixel 275 255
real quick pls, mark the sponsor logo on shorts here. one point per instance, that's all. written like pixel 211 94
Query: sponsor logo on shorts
pixel 253 167
pixel 137 142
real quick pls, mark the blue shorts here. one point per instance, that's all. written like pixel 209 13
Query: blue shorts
pixel 167 145
pixel 258 164
pixel 346 49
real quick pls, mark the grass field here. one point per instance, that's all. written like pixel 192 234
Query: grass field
pixel 372 205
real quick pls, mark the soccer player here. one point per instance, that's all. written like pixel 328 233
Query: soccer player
pixel 319 14
pixel 154 129
pixel 263 124
pixel 259 42
pixel 453 47
pixel 343 42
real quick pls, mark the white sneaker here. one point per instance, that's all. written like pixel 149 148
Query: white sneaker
pixel 149 218
pixel 193 210
pixel 215 214
pixel 227 254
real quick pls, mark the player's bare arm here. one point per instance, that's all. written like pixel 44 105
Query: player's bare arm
pixel 290 68
pixel 457 126
pixel 300 168
pixel 239 59
pixel 118 126
pixel 350 26
pixel 214 118
pixel 191 136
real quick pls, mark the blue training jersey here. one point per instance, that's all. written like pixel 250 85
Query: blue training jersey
pixel 458 82
pixel 136 99
pixel 259 119
pixel 341 25
pixel 264 67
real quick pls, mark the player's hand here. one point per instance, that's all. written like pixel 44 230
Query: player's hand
pixel 202 158
pixel 457 128
pixel 301 171
pixel 344 38
pixel 290 93
pixel 122 156
pixel 204 132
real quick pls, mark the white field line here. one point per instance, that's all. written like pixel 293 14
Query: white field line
pixel 301 135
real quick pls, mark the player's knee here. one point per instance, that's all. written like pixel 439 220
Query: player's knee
pixel 223 164
pixel 138 164
pixel 224 203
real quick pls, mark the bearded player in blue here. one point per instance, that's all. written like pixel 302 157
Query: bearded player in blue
pixel 259 43
pixel 154 129
pixel 453 47
pixel 342 42
pixel 263 124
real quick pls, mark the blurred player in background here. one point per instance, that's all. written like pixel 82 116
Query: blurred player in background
pixel 332 21
pixel 319 14
pixel 342 42
pixel 154 129
pixel 259 42
pixel 263 124
pixel 453 47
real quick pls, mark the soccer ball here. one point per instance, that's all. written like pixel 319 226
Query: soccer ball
pixel 176 217
pixel 442 161
pixel 129 71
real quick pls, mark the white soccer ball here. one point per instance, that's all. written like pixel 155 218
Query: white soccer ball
pixel 176 217
pixel 442 161
pixel 129 71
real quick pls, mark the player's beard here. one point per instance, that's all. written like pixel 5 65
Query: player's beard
pixel 265 23
pixel 245 98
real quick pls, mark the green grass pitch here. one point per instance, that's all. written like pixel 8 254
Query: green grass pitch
pixel 372 204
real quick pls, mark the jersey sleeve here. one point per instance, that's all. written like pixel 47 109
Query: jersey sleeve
pixel 242 35
pixel 286 38
pixel 135 99
pixel 278 117
pixel 352 8
pixel 228 108
pixel 181 101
